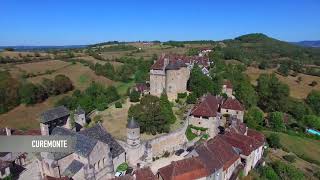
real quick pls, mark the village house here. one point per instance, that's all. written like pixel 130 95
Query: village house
pixel 211 112
pixel 4 169
pixel 170 73
pixel 142 88
pixel 233 107
pixel 206 114
pixel 204 51
pixel 139 174
pixel 96 155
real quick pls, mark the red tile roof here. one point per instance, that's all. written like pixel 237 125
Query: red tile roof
pixel 175 59
pixel 207 107
pixel 141 87
pixel 256 135
pixel 54 178
pixel 237 126
pixel 233 104
pixel 245 143
pixel 186 169
pixel 216 154
pixel 145 174
pixel 228 84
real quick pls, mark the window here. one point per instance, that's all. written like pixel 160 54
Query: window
pixel 199 122
pixel 227 110
pixel 237 112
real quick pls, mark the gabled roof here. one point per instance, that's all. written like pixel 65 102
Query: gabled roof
pixel 145 174
pixel 257 136
pixel 207 107
pixel 141 87
pixel 54 113
pixel 73 168
pixel 186 169
pixel 4 164
pixel 233 104
pixel 97 132
pixel 84 144
pixel 245 143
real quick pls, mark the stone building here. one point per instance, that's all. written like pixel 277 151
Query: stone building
pixel 170 73
pixel 96 155
pixel 134 148
pixel 60 117
pixel 206 114
pixel 233 107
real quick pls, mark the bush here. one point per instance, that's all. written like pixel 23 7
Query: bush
pixel 290 158
pixel 122 167
pixel 274 141
pixel 118 105
pixel 134 96
pixel 192 98
pixel 189 134
pixel 182 95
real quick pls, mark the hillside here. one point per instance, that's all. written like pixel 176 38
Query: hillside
pixel 259 47
pixel 315 44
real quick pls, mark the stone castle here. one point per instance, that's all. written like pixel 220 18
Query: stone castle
pixel 170 73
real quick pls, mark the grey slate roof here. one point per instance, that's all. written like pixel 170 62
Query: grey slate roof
pixel 98 132
pixel 132 124
pixel 84 144
pixel 73 168
pixel 54 113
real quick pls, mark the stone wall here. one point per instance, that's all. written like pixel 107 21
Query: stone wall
pixel 157 82
pixel 239 114
pixel 176 82
pixel 212 123
pixel 169 142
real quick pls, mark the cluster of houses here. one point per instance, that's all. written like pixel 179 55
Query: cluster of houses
pixel 230 149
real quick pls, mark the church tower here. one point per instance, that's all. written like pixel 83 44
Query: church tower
pixel 133 142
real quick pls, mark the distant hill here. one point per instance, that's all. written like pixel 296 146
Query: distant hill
pixel 259 47
pixel 42 48
pixel 308 43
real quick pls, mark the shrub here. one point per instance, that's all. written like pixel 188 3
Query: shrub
pixel 189 134
pixel 134 96
pixel 182 95
pixel 166 154
pixel 122 167
pixel 274 141
pixel 192 98
pixel 118 105
pixel 290 158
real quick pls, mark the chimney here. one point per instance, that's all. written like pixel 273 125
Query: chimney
pixel 8 131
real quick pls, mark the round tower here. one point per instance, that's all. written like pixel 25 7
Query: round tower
pixel 134 151
pixel 133 133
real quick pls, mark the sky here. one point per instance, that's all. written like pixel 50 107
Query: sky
pixel 79 22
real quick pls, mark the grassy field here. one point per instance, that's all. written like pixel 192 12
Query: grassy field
pixel 27 117
pixel 300 146
pixel 80 75
pixel 41 67
pixel 298 90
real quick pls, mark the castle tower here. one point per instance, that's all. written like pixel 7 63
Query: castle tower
pixel 133 133
pixel 133 142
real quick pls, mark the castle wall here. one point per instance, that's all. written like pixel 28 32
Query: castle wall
pixel 157 82
pixel 176 82
pixel 169 142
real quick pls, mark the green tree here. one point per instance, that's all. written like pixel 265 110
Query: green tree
pixel 199 83
pixel 149 115
pixel 166 108
pixel 311 121
pixel 276 121
pixel 28 93
pixel 268 173
pixel 62 84
pixel 298 109
pixel 286 171
pixel 274 141
pixel 134 96
pixel 284 69
pixel 192 98
pixel 9 92
pixel 273 95
pixel 245 93
pixel 254 117
pixel 313 100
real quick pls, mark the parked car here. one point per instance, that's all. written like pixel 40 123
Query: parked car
pixel 121 173
pixel 179 152
pixel 189 149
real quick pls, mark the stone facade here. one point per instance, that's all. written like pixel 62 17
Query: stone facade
pixel 236 113
pixel 212 123
pixel 176 82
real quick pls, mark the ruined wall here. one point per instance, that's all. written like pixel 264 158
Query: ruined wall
pixel 157 82
pixel 176 82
